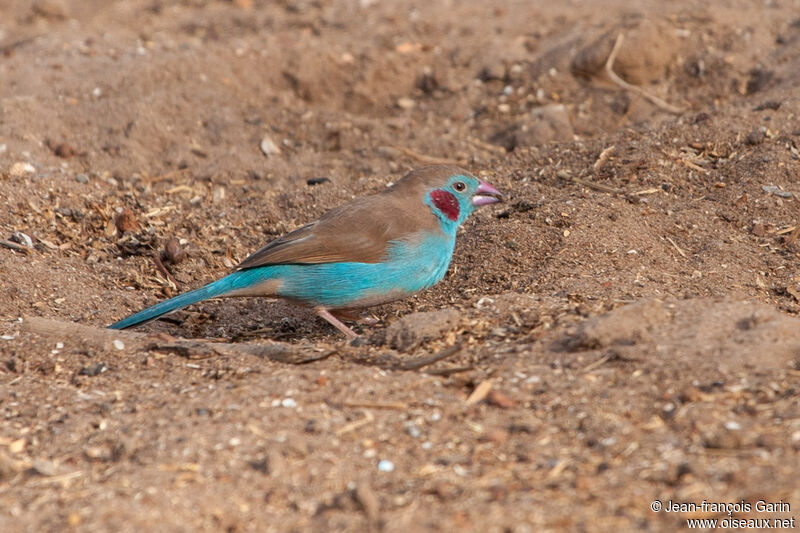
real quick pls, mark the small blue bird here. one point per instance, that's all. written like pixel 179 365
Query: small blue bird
pixel 367 252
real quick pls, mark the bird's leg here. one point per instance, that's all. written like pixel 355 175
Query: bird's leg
pixel 355 316
pixel 324 313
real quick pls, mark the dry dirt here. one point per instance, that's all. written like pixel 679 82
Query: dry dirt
pixel 624 329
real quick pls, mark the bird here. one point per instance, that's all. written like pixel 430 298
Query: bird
pixel 369 251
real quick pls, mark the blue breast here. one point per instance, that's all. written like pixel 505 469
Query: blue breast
pixel 410 267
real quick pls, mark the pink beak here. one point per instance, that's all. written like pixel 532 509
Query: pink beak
pixel 486 194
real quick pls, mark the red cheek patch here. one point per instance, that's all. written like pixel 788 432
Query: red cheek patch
pixel 446 203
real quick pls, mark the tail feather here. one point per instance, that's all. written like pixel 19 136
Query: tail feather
pixel 212 290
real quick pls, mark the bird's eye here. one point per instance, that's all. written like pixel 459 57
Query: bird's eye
pixel 459 186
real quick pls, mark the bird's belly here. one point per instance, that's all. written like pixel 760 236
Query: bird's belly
pixel 407 270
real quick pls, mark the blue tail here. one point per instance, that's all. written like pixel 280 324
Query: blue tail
pixel 212 290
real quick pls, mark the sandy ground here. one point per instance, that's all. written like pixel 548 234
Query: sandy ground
pixel 623 330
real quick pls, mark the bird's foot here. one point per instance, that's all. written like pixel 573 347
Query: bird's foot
pixel 355 316
pixel 335 322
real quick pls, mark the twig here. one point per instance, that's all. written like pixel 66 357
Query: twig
pixel 793 237
pixel 14 246
pixel 594 364
pixel 694 166
pixel 480 393
pixel 428 159
pixel 489 147
pixel 108 339
pixel 165 272
pixel 419 362
pixel 683 254
pixel 365 496
pixel 352 426
pixel 399 406
pixel 658 102
pixel 448 371
pixel 603 157
pixel 597 186
pixel 168 175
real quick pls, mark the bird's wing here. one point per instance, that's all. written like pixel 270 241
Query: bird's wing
pixel 356 232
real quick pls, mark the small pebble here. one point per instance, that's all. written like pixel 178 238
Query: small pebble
pixel 755 137
pixel 93 370
pixel 406 103
pixel 317 181
pixel 386 465
pixel 413 431
pixel 126 221
pixel 268 146
pixel 289 402
pixel 64 150
pixel 82 178
pixel 173 253
pixel 732 425
pixel 20 169
pixel 22 238
pixel 118 344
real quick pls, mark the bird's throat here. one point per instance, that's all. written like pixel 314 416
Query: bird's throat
pixel 446 203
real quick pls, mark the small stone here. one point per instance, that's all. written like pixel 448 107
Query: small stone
pixel 45 468
pixel 93 370
pixel 74 519
pixel 126 221
pixel 495 71
pixel 118 344
pixel 218 195
pixel 413 430
pixel 20 168
pixel 82 178
pixel 777 191
pixel 497 436
pixel 386 466
pixel 427 82
pixel 758 229
pixel 268 146
pixel 732 425
pixel 173 252
pixel 17 446
pixel 64 150
pixel 416 328
pixel 406 103
pixel 289 402
pixel 317 181
pixel 22 238
pixel 755 137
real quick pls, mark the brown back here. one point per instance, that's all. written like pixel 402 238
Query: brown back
pixel 360 231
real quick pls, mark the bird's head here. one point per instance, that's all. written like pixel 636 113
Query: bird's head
pixel 451 193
